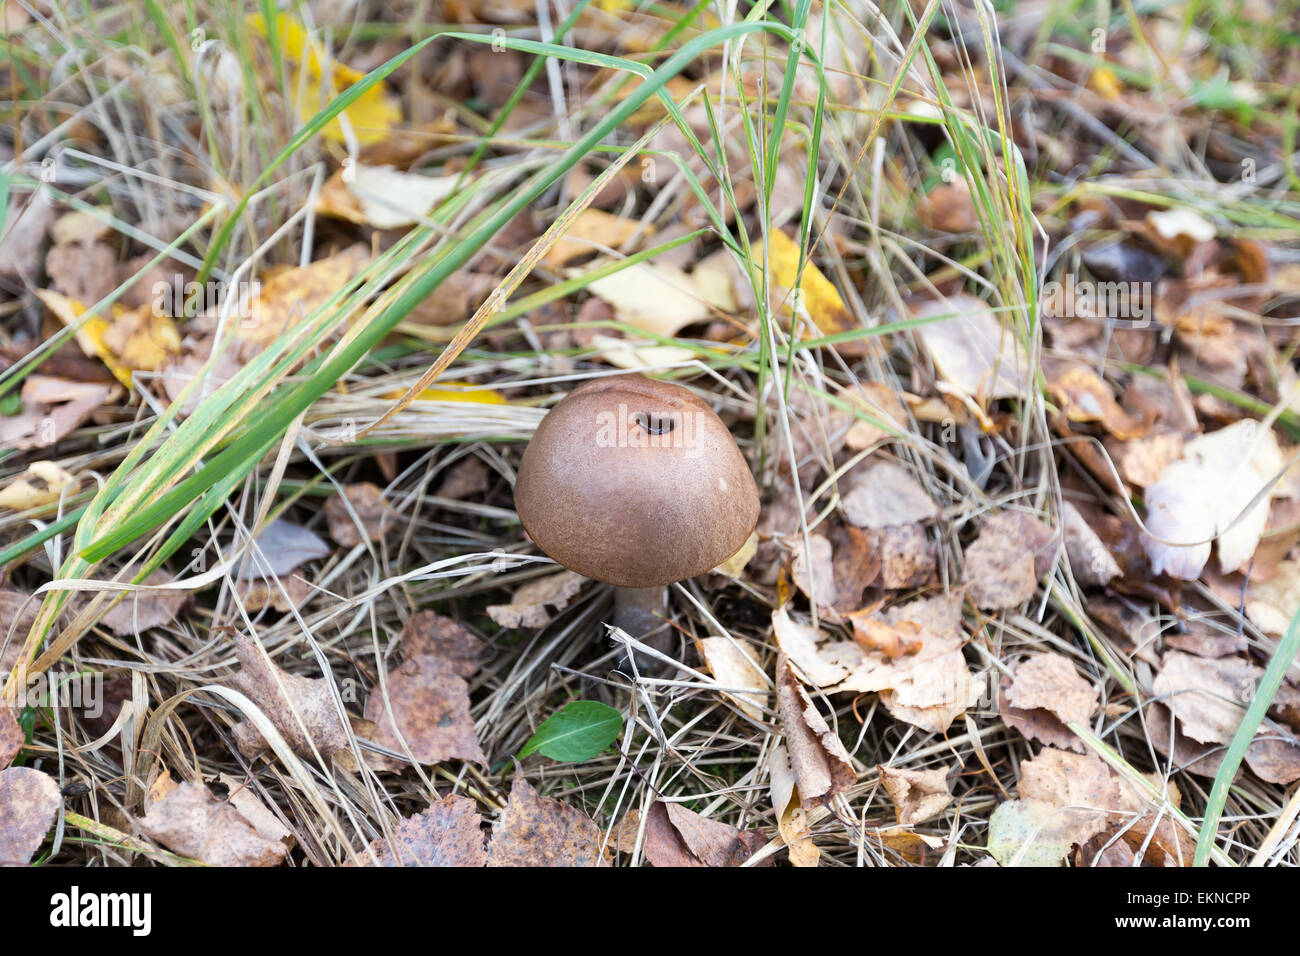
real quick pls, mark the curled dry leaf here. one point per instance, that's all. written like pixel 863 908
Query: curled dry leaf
pixel 376 515
pixel 432 634
pixel 530 603
pixel 29 801
pixel 192 822
pixel 1084 397
pixel 1271 604
pixel 819 661
pixel 883 494
pixel 43 483
pixel 590 230
pixel 676 836
pixel 975 354
pixel 282 695
pixel 881 403
pixel 427 706
pixel 792 818
pixel 1004 564
pixel 538 831
pixel 892 640
pixel 448 833
pixel 1207 495
pixel 918 795
pixel 822 767
pixel 736 668
pixel 1090 560
pixel 813 570
pixel 140 339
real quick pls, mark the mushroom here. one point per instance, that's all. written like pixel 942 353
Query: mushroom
pixel 637 483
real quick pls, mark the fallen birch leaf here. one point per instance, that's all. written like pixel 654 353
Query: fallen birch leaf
pixel 427 706
pixel 1005 563
pixel 972 350
pixel 382 196
pixel 136 340
pixel 448 833
pixel 678 837
pixel 290 295
pixel 883 494
pixel 792 818
pixel 376 515
pixel 538 831
pixel 1028 833
pixel 816 293
pixel 590 230
pixel 1207 696
pixel 1081 788
pixel 29 802
pixel 139 611
pixel 802 644
pixel 1090 560
pixel 661 299
pixel 432 634
pixel 52 409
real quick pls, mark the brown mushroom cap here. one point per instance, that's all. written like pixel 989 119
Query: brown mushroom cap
pixel 637 483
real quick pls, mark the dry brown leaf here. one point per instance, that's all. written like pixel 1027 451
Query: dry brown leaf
pixel 43 483
pixel 918 795
pixel 23 234
pixel 813 570
pixel 11 736
pixel 1090 560
pixel 52 409
pixel 976 355
pixel 892 640
pixel 1084 397
pixel 377 516
pixel 882 494
pixel 466 479
pixel 429 633
pixel 29 802
pixel 822 767
pixel 736 667
pixel 1041 725
pixel 1271 604
pixel 428 707
pixel 538 831
pixel 1141 461
pixel 1274 757
pixel 448 833
pixel 83 271
pixel 530 603
pixel 676 836
pixel 138 611
pixel 1206 695
pixel 191 821
pixel 1081 789
pixel 806 647
pixel 1050 682
pixel 948 208
pixel 1006 561
pixel 908 557
pixel 281 695
pixel 882 404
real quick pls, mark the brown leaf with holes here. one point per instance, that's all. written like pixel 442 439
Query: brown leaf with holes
pixel 281 695
pixel 432 634
pixel 193 822
pixel 376 515
pixel 29 802
pixel 539 831
pixel 678 837
pixel 918 795
pixel 448 833
pixel 428 707
pixel 822 767
pixel 529 606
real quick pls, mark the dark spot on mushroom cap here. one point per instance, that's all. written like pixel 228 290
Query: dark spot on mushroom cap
pixel 610 489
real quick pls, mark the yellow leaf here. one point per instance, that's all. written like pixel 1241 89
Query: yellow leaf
pixel 591 226
pixel 371 117
pixel 1103 81
pixel 43 483
pixel 453 392
pixel 136 340
pixel 290 295
pixel 816 294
